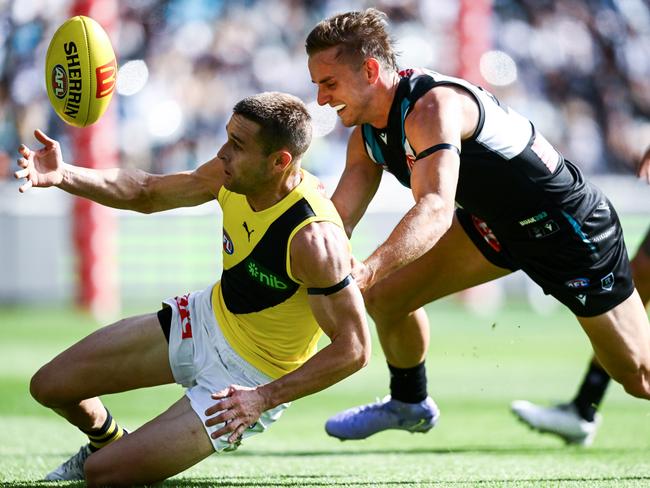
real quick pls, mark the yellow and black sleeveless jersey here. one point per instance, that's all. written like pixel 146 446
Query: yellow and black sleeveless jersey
pixel 261 307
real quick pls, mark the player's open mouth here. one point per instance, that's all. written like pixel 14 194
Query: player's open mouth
pixel 339 108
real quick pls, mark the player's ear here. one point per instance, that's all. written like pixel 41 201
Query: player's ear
pixel 281 159
pixel 371 69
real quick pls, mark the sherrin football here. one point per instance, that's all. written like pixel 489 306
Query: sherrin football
pixel 80 71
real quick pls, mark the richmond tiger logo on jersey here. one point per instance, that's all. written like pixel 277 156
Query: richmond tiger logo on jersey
pixel 228 246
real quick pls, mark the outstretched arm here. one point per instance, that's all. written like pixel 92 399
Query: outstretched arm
pixel 130 189
pixel 320 258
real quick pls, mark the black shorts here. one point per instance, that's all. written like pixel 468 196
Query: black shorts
pixel 584 264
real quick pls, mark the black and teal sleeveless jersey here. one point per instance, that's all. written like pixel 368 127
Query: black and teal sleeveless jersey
pixel 509 173
pixel 261 307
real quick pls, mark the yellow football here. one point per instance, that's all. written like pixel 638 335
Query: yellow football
pixel 80 71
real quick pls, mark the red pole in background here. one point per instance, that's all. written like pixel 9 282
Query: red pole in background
pixel 95 226
pixel 474 37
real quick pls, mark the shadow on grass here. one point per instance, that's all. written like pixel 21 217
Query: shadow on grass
pixel 488 449
pixel 346 450
pixel 333 480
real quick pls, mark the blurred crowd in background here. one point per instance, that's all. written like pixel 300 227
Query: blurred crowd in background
pixel 580 70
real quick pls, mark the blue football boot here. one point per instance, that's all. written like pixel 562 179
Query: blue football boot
pixel 366 420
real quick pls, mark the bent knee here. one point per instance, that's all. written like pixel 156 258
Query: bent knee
pixel 383 308
pixel 638 384
pixel 43 389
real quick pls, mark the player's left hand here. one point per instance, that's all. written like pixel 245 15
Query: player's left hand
pixel 238 407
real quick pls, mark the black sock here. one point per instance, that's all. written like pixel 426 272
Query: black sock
pixel 109 432
pixel 408 385
pixel 591 392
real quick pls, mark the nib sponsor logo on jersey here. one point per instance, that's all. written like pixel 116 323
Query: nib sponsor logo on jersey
pixel 184 312
pixel 264 276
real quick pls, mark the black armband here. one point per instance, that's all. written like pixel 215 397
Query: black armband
pixel 437 147
pixel 331 289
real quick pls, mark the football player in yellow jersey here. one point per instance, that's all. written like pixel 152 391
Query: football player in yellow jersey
pixel 244 347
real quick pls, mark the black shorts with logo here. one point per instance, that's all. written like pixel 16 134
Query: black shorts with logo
pixel 582 264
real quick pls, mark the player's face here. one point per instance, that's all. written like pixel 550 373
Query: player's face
pixel 245 164
pixel 341 86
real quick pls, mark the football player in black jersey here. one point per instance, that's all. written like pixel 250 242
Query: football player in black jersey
pixel 565 420
pixel 492 195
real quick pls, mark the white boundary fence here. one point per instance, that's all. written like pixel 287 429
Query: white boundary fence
pixel 173 252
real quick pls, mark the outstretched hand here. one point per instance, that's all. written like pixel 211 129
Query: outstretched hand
pixel 41 168
pixel 238 407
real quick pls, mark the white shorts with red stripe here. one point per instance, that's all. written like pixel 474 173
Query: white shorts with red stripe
pixel 202 361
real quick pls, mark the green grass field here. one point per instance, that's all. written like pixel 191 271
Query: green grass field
pixel 476 367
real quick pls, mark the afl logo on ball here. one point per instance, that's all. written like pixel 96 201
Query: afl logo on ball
pixel 228 246
pixel 59 81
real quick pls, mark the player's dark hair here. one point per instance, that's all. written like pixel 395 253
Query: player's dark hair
pixel 358 36
pixel 284 121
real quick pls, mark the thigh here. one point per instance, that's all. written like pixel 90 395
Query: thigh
pixel 452 265
pixel 621 339
pixel 163 447
pixel 129 354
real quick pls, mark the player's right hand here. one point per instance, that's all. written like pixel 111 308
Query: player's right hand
pixel 41 168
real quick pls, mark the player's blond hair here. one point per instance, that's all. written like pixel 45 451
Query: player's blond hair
pixel 358 36
pixel 284 121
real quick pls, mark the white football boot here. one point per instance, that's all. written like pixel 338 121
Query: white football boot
pixel 562 420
